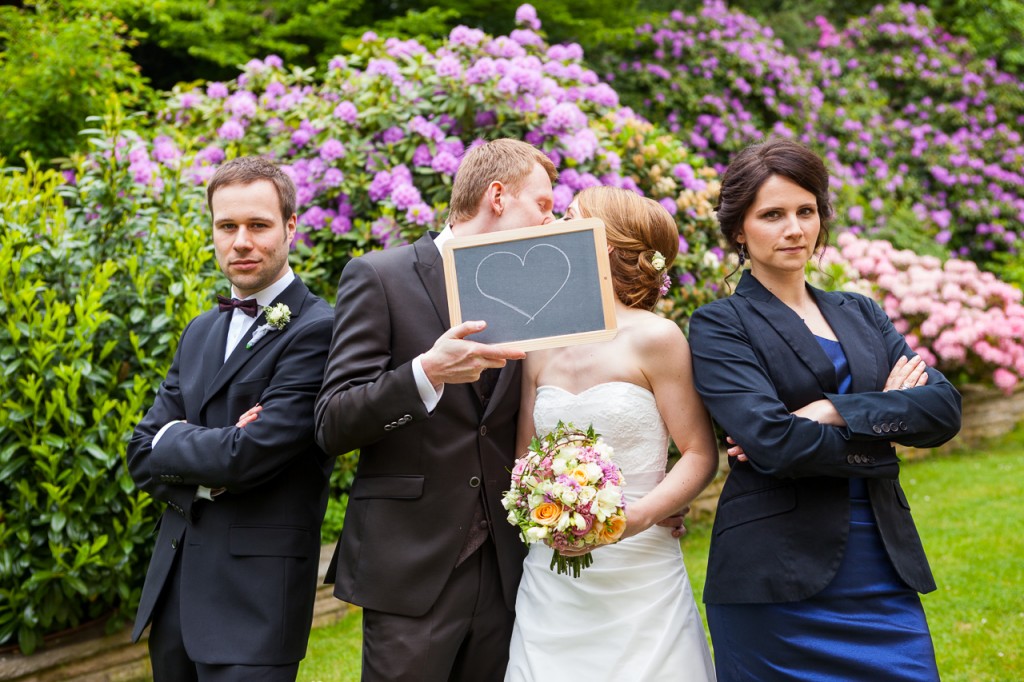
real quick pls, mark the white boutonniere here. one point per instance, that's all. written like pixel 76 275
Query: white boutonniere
pixel 277 316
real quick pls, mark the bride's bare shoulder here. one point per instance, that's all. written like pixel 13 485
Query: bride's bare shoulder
pixel 645 329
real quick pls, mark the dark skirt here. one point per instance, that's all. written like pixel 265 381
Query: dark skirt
pixel 867 624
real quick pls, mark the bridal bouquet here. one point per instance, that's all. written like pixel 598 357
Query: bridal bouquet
pixel 567 492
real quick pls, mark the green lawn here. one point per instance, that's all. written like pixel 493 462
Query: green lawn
pixel 968 508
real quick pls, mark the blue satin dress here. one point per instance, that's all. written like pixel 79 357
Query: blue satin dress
pixel 867 624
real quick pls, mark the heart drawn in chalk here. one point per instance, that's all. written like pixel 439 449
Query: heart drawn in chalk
pixel 542 260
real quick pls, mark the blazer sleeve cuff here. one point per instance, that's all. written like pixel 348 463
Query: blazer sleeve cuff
pixel 870 419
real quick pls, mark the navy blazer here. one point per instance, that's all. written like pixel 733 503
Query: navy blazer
pixel 783 516
pixel 248 559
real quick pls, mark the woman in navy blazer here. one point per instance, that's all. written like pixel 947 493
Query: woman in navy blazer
pixel 815 561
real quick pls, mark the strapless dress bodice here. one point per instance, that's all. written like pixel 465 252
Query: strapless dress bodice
pixel 624 415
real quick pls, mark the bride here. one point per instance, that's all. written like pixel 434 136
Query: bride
pixel 631 614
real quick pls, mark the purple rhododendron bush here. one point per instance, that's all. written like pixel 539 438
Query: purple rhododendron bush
pixel 374 143
pixel 904 114
pixel 922 136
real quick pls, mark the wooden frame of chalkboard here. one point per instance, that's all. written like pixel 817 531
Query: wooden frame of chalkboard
pixel 536 287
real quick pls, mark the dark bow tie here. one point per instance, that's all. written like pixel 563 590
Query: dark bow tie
pixel 249 306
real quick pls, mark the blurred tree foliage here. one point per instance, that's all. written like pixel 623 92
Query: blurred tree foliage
pixel 182 40
pixel 995 28
pixel 59 63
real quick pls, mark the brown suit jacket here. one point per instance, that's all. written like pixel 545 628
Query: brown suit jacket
pixel 420 475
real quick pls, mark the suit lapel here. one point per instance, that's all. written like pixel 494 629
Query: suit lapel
pixel 213 357
pixel 504 383
pixel 430 269
pixel 294 297
pixel 792 330
pixel 854 334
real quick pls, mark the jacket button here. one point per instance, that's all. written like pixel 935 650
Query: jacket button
pixel 876 428
pixel 174 543
pixel 850 459
pixel 894 427
pixel 388 427
pixel 903 426
pixel 483 525
pixel 474 482
pixel 483 430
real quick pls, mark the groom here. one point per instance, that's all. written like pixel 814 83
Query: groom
pixel 426 550
pixel 228 446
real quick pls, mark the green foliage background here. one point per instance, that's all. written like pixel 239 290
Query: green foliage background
pixel 58 66
pixel 96 284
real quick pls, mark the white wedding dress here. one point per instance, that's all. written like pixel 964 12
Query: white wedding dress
pixel 630 616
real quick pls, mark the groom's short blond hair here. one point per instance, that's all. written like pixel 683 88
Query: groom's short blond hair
pixel 503 160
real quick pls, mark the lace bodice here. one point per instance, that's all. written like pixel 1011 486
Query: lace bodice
pixel 624 414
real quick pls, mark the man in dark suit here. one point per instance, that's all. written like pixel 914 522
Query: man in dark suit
pixel 228 445
pixel 426 550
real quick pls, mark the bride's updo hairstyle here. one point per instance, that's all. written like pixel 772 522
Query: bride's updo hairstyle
pixel 636 228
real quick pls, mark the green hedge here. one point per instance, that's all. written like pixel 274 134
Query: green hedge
pixel 96 284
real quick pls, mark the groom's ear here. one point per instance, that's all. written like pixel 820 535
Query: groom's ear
pixel 494 198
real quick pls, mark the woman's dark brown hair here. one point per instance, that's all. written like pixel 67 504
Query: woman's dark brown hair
pixel 752 167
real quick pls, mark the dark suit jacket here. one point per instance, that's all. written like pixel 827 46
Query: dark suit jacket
pixel 249 559
pixel 782 520
pixel 420 476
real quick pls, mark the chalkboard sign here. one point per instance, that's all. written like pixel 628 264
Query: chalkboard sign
pixel 536 287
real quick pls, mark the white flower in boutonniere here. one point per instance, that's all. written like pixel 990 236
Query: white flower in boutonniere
pixel 278 317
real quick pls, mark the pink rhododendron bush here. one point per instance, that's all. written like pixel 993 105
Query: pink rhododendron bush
pixel 961 320
pixel 374 143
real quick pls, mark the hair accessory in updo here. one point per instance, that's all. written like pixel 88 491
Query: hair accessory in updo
pixel 643 241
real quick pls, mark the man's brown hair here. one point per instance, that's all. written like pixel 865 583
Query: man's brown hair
pixel 505 160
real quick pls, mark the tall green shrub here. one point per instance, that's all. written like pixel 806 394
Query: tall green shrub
pixel 97 280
